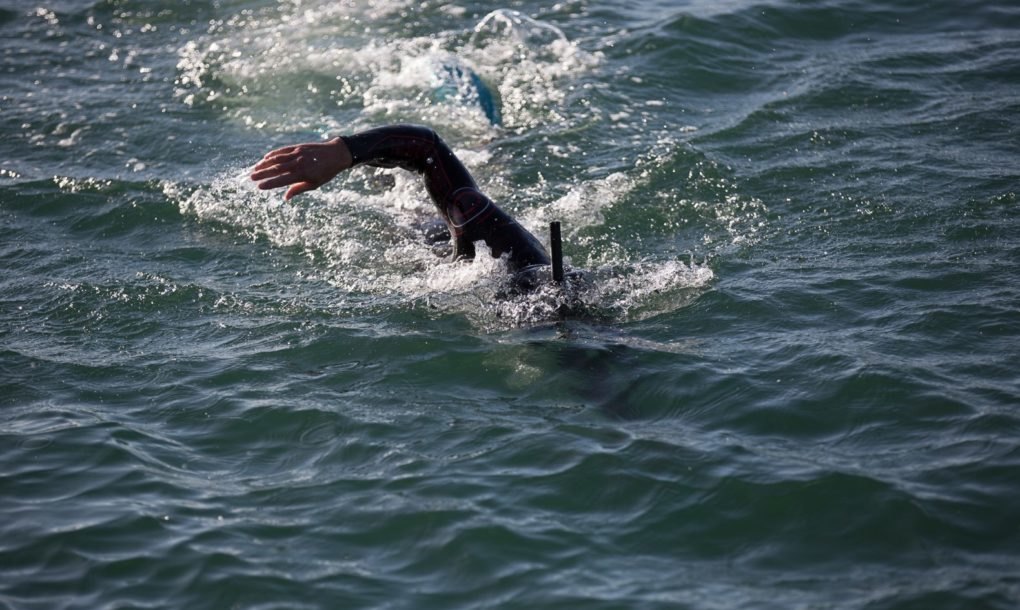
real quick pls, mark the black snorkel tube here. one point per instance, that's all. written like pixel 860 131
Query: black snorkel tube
pixel 556 243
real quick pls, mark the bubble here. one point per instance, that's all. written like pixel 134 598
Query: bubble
pixel 319 434
pixel 35 443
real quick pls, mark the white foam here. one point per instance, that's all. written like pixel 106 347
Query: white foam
pixel 583 205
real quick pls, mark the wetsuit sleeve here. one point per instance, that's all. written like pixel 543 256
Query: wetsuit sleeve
pixel 470 215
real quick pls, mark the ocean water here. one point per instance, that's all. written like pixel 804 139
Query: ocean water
pixel 789 379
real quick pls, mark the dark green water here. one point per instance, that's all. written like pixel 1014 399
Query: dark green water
pixel 795 385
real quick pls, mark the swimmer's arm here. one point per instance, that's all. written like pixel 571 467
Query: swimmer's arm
pixel 305 167
pixel 302 167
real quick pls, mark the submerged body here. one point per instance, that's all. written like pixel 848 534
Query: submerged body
pixel 468 213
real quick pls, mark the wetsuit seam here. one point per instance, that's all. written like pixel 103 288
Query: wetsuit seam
pixel 453 201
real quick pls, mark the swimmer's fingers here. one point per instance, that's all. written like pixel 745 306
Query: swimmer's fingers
pixel 297 185
pixel 279 175
pixel 272 168
pixel 276 180
pixel 305 166
pixel 278 156
pixel 299 188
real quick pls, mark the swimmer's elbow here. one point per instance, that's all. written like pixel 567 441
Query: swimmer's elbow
pixel 434 137
pixel 423 132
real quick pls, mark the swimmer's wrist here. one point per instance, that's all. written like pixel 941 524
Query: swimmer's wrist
pixel 343 153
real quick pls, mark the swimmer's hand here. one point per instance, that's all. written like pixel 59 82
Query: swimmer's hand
pixel 303 167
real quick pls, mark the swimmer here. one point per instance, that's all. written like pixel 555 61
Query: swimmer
pixel 468 213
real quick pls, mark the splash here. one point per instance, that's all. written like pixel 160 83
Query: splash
pixel 343 69
pixel 611 293
pixel 368 244
pixel 533 64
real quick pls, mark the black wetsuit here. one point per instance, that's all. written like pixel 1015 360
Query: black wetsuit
pixel 469 214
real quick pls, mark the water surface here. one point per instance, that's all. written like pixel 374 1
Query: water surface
pixel 793 385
